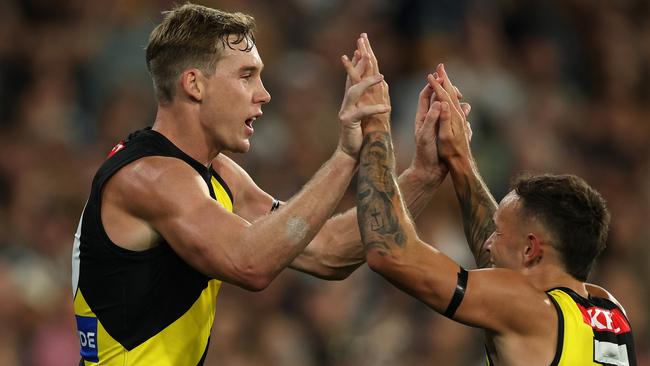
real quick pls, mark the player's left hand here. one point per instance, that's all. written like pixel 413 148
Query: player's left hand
pixel 427 160
pixel 353 112
pixel 364 64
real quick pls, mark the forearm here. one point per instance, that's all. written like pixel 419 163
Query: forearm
pixel 417 188
pixel 383 221
pixel 392 246
pixel 337 251
pixel 278 238
pixel 477 207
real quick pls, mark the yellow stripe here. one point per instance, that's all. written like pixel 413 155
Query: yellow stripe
pixel 111 353
pixel 174 345
pixel 578 340
pixel 222 195
pixel 181 343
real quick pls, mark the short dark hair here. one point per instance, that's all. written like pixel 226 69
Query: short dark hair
pixel 189 36
pixel 575 213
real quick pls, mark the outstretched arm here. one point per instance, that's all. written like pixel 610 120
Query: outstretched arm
pixel 395 251
pixel 476 203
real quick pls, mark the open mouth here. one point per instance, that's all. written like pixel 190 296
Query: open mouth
pixel 249 122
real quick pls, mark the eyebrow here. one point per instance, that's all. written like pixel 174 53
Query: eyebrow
pixel 251 68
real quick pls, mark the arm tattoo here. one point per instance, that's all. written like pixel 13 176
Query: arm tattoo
pixel 478 207
pixel 377 195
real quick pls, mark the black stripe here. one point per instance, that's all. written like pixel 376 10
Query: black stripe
pixel 560 331
pixel 275 205
pixel 459 293
pixel 488 359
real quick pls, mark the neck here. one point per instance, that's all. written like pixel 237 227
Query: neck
pixel 545 277
pixel 181 125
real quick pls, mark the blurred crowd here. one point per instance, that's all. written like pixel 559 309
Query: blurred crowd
pixel 559 86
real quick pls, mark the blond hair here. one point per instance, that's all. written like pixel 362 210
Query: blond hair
pixel 192 35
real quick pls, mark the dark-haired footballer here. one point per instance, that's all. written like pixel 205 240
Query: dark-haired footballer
pixel 534 252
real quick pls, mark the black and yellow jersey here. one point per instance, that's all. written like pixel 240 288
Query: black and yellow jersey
pixel 591 331
pixel 140 308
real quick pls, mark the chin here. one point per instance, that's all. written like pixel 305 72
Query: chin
pixel 244 147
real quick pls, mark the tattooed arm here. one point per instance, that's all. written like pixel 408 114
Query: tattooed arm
pixel 394 250
pixel 392 246
pixel 477 206
pixel 476 202
pixel 382 218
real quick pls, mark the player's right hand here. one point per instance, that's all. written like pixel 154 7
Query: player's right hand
pixel 352 112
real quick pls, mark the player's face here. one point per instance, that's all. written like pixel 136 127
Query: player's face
pixel 234 98
pixel 507 242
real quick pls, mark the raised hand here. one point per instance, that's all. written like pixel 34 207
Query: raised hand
pixel 353 111
pixel 367 65
pixel 454 133
pixel 427 160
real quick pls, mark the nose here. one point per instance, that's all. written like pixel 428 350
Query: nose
pixel 262 96
pixel 489 241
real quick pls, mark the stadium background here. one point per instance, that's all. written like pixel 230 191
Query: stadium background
pixel 556 86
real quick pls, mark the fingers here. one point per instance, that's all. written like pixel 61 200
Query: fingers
pixel 425 97
pixel 424 102
pixel 347 64
pixel 434 112
pixel 353 70
pixel 449 87
pixel 363 49
pixel 355 91
pixel 466 108
pixel 431 119
pixel 459 95
pixel 373 58
pixel 361 67
pixel 441 93
pixel 356 57
pixel 445 119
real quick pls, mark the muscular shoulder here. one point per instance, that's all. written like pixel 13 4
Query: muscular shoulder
pixel 597 291
pixel 153 184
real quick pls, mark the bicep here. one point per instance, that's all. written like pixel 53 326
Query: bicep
pixel 493 299
pixel 204 235
pixel 172 198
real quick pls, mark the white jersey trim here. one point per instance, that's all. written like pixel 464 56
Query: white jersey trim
pixel 75 255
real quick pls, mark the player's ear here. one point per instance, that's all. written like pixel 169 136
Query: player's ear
pixel 533 250
pixel 192 84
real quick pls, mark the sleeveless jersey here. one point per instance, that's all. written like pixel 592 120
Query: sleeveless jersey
pixel 591 331
pixel 140 308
